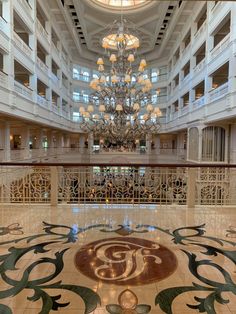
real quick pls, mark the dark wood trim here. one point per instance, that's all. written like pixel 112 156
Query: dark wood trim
pixel 59 164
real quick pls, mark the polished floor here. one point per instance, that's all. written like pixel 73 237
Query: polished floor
pixel 117 259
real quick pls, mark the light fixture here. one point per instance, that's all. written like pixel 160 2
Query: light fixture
pixel 120 108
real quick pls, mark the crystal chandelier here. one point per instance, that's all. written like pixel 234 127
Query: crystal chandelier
pixel 120 108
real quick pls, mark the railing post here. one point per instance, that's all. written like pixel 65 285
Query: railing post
pixel 191 184
pixel 54 185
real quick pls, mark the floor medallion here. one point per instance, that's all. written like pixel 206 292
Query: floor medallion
pixel 125 261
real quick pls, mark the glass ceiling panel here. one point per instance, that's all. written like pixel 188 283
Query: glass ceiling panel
pixel 122 3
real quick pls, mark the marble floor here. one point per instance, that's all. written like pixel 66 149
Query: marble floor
pixel 117 259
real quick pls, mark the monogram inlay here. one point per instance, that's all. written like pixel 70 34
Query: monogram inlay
pixel 125 261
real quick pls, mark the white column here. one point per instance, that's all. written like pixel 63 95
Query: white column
pixel 25 138
pixel 200 145
pixel 5 142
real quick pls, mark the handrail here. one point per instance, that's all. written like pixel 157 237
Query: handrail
pixel 134 165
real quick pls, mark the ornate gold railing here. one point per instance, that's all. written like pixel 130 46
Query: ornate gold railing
pixel 187 184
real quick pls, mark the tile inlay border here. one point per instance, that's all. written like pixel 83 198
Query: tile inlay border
pixel 185 240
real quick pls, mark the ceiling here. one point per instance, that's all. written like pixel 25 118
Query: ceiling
pixel 84 23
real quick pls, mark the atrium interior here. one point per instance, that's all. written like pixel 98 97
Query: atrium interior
pixel 118 156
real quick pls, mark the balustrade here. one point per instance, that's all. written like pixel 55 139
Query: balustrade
pixel 184 109
pixel 199 102
pixel 42 65
pixel 54 79
pixel 41 30
pixel 19 43
pixel 175 115
pixel 42 101
pixel 220 47
pixel 110 183
pixel 55 108
pixel 159 78
pixel 186 79
pixel 3 24
pixel 23 90
pixel 200 66
pixel 200 31
pixel 219 92
pixel 3 79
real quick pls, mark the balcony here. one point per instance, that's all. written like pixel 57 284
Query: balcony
pixel 220 47
pixel 41 30
pixel 23 90
pixel 185 79
pixel 162 99
pixel 81 77
pixel 24 10
pixel 219 91
pixel 199 102
pixel 199 67
pixel 55 108
pixel 216 9
pixel 81 99
pixel 175 115
pixel 20 44
pixel 3 24
pixel 43 102
pixel 3 79
pixel 55 79
pixel 65 90
pixel 159 78
pixel 65 113
pixel 200 32
pixel 185 110
pixel 42 66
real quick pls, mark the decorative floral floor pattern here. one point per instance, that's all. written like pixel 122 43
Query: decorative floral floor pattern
pixel 112 270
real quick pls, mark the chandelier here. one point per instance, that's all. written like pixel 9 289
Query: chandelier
pixel 120 108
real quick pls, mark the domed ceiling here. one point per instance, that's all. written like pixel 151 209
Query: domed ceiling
pixel 157 24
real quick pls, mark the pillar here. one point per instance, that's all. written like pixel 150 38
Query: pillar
pixel 5 143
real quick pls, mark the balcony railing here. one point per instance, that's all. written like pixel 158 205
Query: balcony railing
pixel 219 92
pixel 25 6
pixel 3 24
pixel 80 99
pixel 41 30
pixel 22 45
pixel 43 102
pixel 200 66
pixel 54 78
pixel 42 65
pixel 3 79
pixel 55 108
pixel 81 77
pixel 175 115
pixel 185 79
pixel 185 109
pixel 199 102
pixel 65 112
pixel 159 78
pixel 200 31
pixel 23 90
pixel 184 184
pixel 220 47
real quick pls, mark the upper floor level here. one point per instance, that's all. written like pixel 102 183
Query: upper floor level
pixel 197 81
